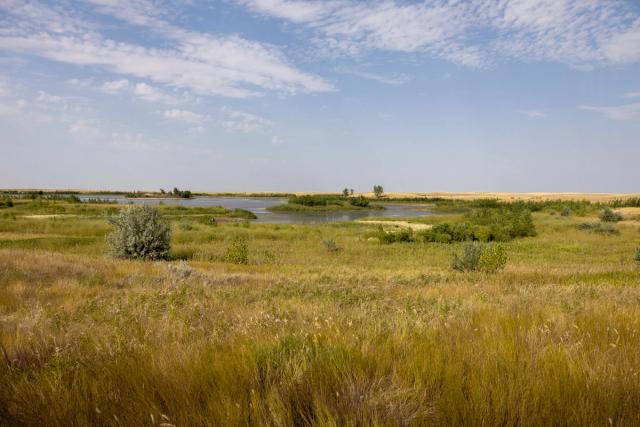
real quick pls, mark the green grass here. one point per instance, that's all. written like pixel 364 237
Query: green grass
pixel 368 335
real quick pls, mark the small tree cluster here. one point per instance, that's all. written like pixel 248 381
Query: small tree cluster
pixel 607 215
pixel 476 256
pixel 378 191
pixel 185 194
pixel 140 233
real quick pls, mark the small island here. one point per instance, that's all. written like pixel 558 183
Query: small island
pixel 325 203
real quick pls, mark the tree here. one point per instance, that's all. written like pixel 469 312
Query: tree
pixel 345 192
pixel 351 191
pixel 378 191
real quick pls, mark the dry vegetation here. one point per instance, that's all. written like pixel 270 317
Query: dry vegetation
pixel 367 334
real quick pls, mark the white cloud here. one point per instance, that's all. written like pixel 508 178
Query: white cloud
pixel 4 86
pixel 115 86
pixel 135 142
pixel 534 114
pixel 211 65
pixel 81 82
pixel 388 80
pixel 239 121
pixel 276 140
pixel 152 94
pixel 84 129
pixel 631 95
pixel 185 116
pixel 580 33
pixel 620 112
pixel 46 98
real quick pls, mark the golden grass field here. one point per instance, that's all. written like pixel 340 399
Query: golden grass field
pixel 368 335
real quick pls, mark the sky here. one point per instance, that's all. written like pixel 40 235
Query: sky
pixel 310 95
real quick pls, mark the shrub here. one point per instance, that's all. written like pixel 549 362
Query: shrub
pixel 493 258
pixel 599 228
pixel 565 211
pixel 476 256
pixel 378 191
pixel 242 213
pixel 6 202
pixel 607 215
pixel 140 233
pixel 360 201
pixel 330 245
pixel 469 257
pixel 637 257
pixel 403 235
pixel 238 252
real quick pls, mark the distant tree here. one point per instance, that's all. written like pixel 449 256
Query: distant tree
pixel 378 191
pixel 176 191
pixel 162 191
pixel 351 191
pixel 345 192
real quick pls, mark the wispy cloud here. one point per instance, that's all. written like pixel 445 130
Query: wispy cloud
pixel 186 116
pixel 631 95
pixel 534 114
pixel 228 66
pixel 619 112
pixel 239 121
pixel 388 80
pixel 581 33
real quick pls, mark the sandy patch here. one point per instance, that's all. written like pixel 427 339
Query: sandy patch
pixel 406 224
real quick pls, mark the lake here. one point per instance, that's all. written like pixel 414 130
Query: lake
pixel 259 205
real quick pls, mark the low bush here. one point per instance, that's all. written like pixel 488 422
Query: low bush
pixel 242 213
pixel 330 245
pixel 608 215
pixel 403 235
pixel 565 211
pixel 6 202
pixel 238 252
pixel 485 225
pixel 599 228
pixel 637 257
pixel 477 256
pixel 140 233
pixel 360 201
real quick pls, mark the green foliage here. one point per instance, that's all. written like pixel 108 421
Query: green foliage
pixel 608 215
pixel 185 194
pixel 500 224
pixel 242 213
pixel 140 233
pixel 6 202
pixel 360 201
pixel 238 252
pixel 207 220
pixel 345 192
pixel 330 245
pixel 477 256
pixel 469 257
pixel 637 257
pixel 316 200
pixel 403 235
pixel 378 191
pixel 599 228
pixel 493 258
pixel 565 211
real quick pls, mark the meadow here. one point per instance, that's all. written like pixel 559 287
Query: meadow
pixel 353 333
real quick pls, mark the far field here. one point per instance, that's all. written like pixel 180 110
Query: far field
pixel 353 332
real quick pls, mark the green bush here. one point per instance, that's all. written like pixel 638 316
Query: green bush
pixel 6 202
pixel 599 228
pixel 637 257
pixel 360 201
pixel 493 258
pixel 242 213
pixel 565 211
pixel 330 245
pixel 403 235
pixel 469 257
pixel 476 256
pixel 140 233
pixel 607 215
pixel 238 252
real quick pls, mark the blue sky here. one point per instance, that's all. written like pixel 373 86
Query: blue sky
pixel 296 95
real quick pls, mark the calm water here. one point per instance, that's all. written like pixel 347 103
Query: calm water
pixel 259 207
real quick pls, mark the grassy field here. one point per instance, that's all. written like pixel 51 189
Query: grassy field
pixel 365 335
